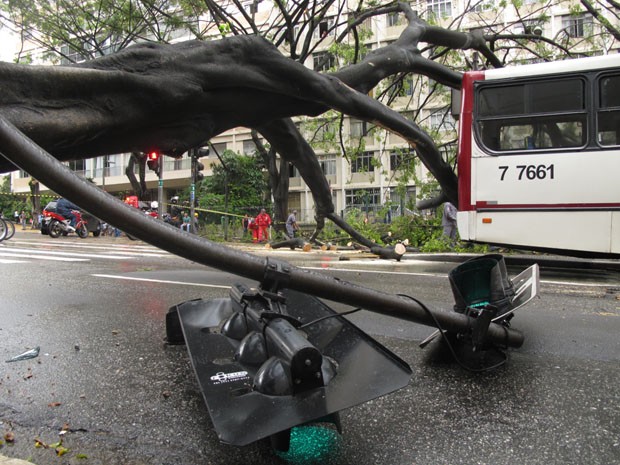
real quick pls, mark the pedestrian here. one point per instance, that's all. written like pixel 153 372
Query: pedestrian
pixel 175 211
pixel 22 219
pixel 186 224
pixel 252 226
pixel 448 221
pixel 245 222
pixel 263 221
pixel 291 224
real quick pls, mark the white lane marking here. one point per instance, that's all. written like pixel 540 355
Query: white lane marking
pixel 37 252
pixel 146 251
pixel 43 257
pixel 161 281
pixel 7 261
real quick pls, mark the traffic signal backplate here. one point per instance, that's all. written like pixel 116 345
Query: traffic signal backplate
pixel 240 414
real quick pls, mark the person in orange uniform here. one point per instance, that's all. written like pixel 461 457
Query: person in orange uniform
pixel 263 221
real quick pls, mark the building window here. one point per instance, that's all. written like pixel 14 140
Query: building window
pixel 319 131
pixel 217 149
pixel 70 55
pixel 358 128
pixel 249 147
pixel 323 61
pixel 440 8
pixel 328 165
pixel 362 198
pixel 293 172
pixel 401 159
pixel 441 120
pixel 577 26
pixel 326 28
pixel 408 85
pixel 393 19
pixel 482 5
pixel 251 8
pixel 363 163
pixel 78 166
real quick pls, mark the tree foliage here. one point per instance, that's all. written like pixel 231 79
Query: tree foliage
pixel 238 183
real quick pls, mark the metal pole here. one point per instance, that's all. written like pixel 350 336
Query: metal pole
pixel 103 172
pixel 193 153
pixel 160 188
pixel 20 150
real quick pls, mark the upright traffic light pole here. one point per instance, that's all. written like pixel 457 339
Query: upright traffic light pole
pixel 160 189
pixel 192 191
pixel 197 176
pixel 155 163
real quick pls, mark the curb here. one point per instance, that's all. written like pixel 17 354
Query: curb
pixel 10 461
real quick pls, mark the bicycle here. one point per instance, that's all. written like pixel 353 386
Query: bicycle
pixel 7 229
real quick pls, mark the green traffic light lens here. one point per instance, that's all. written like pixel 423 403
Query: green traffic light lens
pixel 312 445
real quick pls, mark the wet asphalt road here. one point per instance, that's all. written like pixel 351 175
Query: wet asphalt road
pixel 125 397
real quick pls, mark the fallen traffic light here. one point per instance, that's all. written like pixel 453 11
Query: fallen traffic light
pixel 283 355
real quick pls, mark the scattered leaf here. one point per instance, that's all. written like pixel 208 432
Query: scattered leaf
pixel 54 404
pixel 81 456
pixel 61 450
pixel 9 437
pixel 38 444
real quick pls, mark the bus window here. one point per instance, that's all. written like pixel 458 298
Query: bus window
pixel 534 134
pixel 552 96
pixel 608 117
pixel 533 115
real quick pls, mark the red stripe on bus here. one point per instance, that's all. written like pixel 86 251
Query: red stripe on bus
pixel 465 132
pixel 547 206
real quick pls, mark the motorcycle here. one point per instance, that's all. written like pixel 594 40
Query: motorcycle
pixel 59 225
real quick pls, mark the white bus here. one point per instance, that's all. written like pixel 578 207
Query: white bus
pixel 539 157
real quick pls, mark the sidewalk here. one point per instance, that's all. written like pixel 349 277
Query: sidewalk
pixel 10 461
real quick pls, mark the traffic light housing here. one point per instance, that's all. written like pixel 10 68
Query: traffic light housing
pixel 197 166
pixel 153 161
pixel 281 354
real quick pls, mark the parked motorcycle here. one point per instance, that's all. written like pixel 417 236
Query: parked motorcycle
pixel 59 225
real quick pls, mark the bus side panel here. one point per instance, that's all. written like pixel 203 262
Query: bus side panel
pixel 567 180
pixel 466 223
pixel 615 232
pixel 548 229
